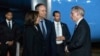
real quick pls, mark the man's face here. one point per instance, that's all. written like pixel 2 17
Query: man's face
pixel 9 15
pixel 74 15
pixel 57 17
pixel 42 11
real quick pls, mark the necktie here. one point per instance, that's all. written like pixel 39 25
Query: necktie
pixel 9 25
pixel 58 29
pixel 75 27
pixel 43 29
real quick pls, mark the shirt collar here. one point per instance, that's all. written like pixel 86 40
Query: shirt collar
pixel 56 22
pixel 8 20
pixel 79 21
pixel 42 20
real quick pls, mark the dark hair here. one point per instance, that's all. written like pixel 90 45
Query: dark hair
pixel 38 5
pixel 31 17
pixel 7 11
pixel 55 12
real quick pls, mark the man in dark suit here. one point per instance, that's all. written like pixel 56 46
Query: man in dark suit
pixel 80 44
pixel 61 34
pixel 9 34
pixel 45 27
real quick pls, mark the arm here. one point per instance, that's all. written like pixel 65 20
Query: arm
pixel 66 35
pixel 78 38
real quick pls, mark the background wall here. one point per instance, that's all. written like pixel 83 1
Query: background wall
pixel 92 14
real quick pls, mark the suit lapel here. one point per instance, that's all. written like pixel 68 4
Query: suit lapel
pixel 62 26
pixel 54 28
pixel 79 23
pixel 47 27
pixel 13 24
pixel 39 30
pixel 78 26
pixel 5 23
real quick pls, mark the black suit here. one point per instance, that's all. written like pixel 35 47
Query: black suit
pixel 7 34
pixel 81 42
pixel 32 41
pixel 58 49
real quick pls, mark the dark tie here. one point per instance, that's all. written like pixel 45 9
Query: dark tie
pixel 43 29
pixel 9 25
pixel 75 27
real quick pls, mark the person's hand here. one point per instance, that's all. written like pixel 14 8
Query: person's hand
pixel 58 39
pixel 62 38
pixel 10 43
pixel 66 49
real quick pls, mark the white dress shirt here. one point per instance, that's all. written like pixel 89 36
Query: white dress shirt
pixel 79 21
pixel 58 30
pixel 10 23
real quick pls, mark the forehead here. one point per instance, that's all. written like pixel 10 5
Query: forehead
pixel 57 13
pixel 42 7
pixel 9 13
pixel 74 11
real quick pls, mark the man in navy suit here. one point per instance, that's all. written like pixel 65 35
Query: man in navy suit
pixel 45 27
pixel 61 35
pixel 9 35
pixel 80 44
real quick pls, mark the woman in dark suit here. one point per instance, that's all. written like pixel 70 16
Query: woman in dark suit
pixel 32 37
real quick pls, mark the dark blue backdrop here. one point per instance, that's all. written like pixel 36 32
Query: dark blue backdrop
pixel 92 14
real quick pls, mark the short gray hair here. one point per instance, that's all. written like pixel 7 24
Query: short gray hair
pixel 79 9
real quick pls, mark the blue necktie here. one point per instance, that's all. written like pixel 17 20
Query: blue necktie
pixel 43 29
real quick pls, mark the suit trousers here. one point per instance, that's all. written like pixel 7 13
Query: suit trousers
pixel 4 48
pixel 60 50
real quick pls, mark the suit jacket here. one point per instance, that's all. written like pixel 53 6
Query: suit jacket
pixel 47 40
pixel 65 33
pixel 81 42
pixel 32 41
pixel 7 34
